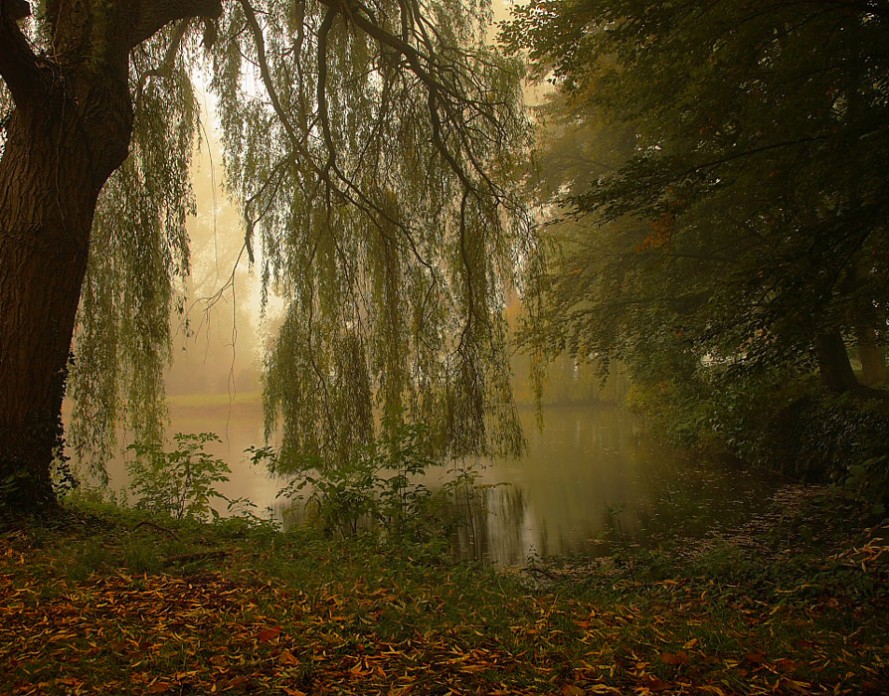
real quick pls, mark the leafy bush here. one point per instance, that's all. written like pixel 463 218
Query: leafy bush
pixel 179 483
pixel 374 489
pixel 789 425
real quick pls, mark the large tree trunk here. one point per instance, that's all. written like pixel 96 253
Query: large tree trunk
pixel 69 132
pixel 50 177
pixel 833 362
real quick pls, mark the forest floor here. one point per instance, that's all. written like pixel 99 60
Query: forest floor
pixel 106 602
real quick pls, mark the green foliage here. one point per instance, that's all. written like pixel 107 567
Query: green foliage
pixel 799 430
pixel 140 260
pixel 723 206
pixel 179 483
pixel 242 521
pixel 721 170
pixel 845 437
pixel 725 563
pixel 142 558
pixel 788 425
pixel 374 490
pixel 373 152
pixel 89 559
pixel 96 500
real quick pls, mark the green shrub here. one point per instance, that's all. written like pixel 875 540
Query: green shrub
pixel 373 490
pixel 141 557
pixel 787 424
pixel 179 483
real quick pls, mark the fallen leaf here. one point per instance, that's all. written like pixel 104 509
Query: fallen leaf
pixel 70 681
pixel 653 683
pixel 288 658
pixel 799 687
pixel 680 658
pixel 267 634
pixel 754 658
pixel 785 664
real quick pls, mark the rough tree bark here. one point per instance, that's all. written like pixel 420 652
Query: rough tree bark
pixel 69 131
pixel 833 363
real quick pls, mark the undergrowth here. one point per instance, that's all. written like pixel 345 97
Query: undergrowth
pixel 106 600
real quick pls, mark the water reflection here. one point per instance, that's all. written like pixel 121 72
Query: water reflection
pixel 592 477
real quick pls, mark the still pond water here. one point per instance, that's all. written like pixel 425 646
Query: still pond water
pixel 594 476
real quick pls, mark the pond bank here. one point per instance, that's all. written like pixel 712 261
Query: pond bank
pixel 594 475
pixel 793 601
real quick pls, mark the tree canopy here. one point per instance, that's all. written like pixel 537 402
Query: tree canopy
pixel 373 148
pixel 727 200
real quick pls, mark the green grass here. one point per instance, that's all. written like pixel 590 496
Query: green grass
pixel 104 600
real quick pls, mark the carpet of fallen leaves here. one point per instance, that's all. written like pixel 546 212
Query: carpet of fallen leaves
pixel 277 616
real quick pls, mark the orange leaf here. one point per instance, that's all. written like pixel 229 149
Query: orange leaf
pixel 653 683
pixel 288 658
pixel 267 634
pixel 159 688
pixel 799 687
pixel 293 692
pixel 754 658
pixel 785 664
pixel 571 690
pixel 680 658
pixel 70 681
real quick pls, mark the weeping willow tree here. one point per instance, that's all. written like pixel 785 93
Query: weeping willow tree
pixel 372 148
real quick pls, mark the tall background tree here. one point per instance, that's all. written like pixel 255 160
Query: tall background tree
pixel 720 167
pixel 370 146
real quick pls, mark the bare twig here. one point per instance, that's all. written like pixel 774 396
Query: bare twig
pixel 157 527
pixel 181 558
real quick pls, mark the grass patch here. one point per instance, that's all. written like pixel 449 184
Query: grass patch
pixel 103 600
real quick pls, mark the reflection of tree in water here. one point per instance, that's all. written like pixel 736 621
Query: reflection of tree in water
pixel 592 479
pixel 493 524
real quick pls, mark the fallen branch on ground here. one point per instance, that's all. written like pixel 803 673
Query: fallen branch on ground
pixel 171 532
pixel 190 557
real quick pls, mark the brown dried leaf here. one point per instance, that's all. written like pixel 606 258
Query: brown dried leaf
pixel 267 634
pixel 679 658
pixel 288 658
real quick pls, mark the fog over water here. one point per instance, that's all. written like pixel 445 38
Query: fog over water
pixel 592 478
